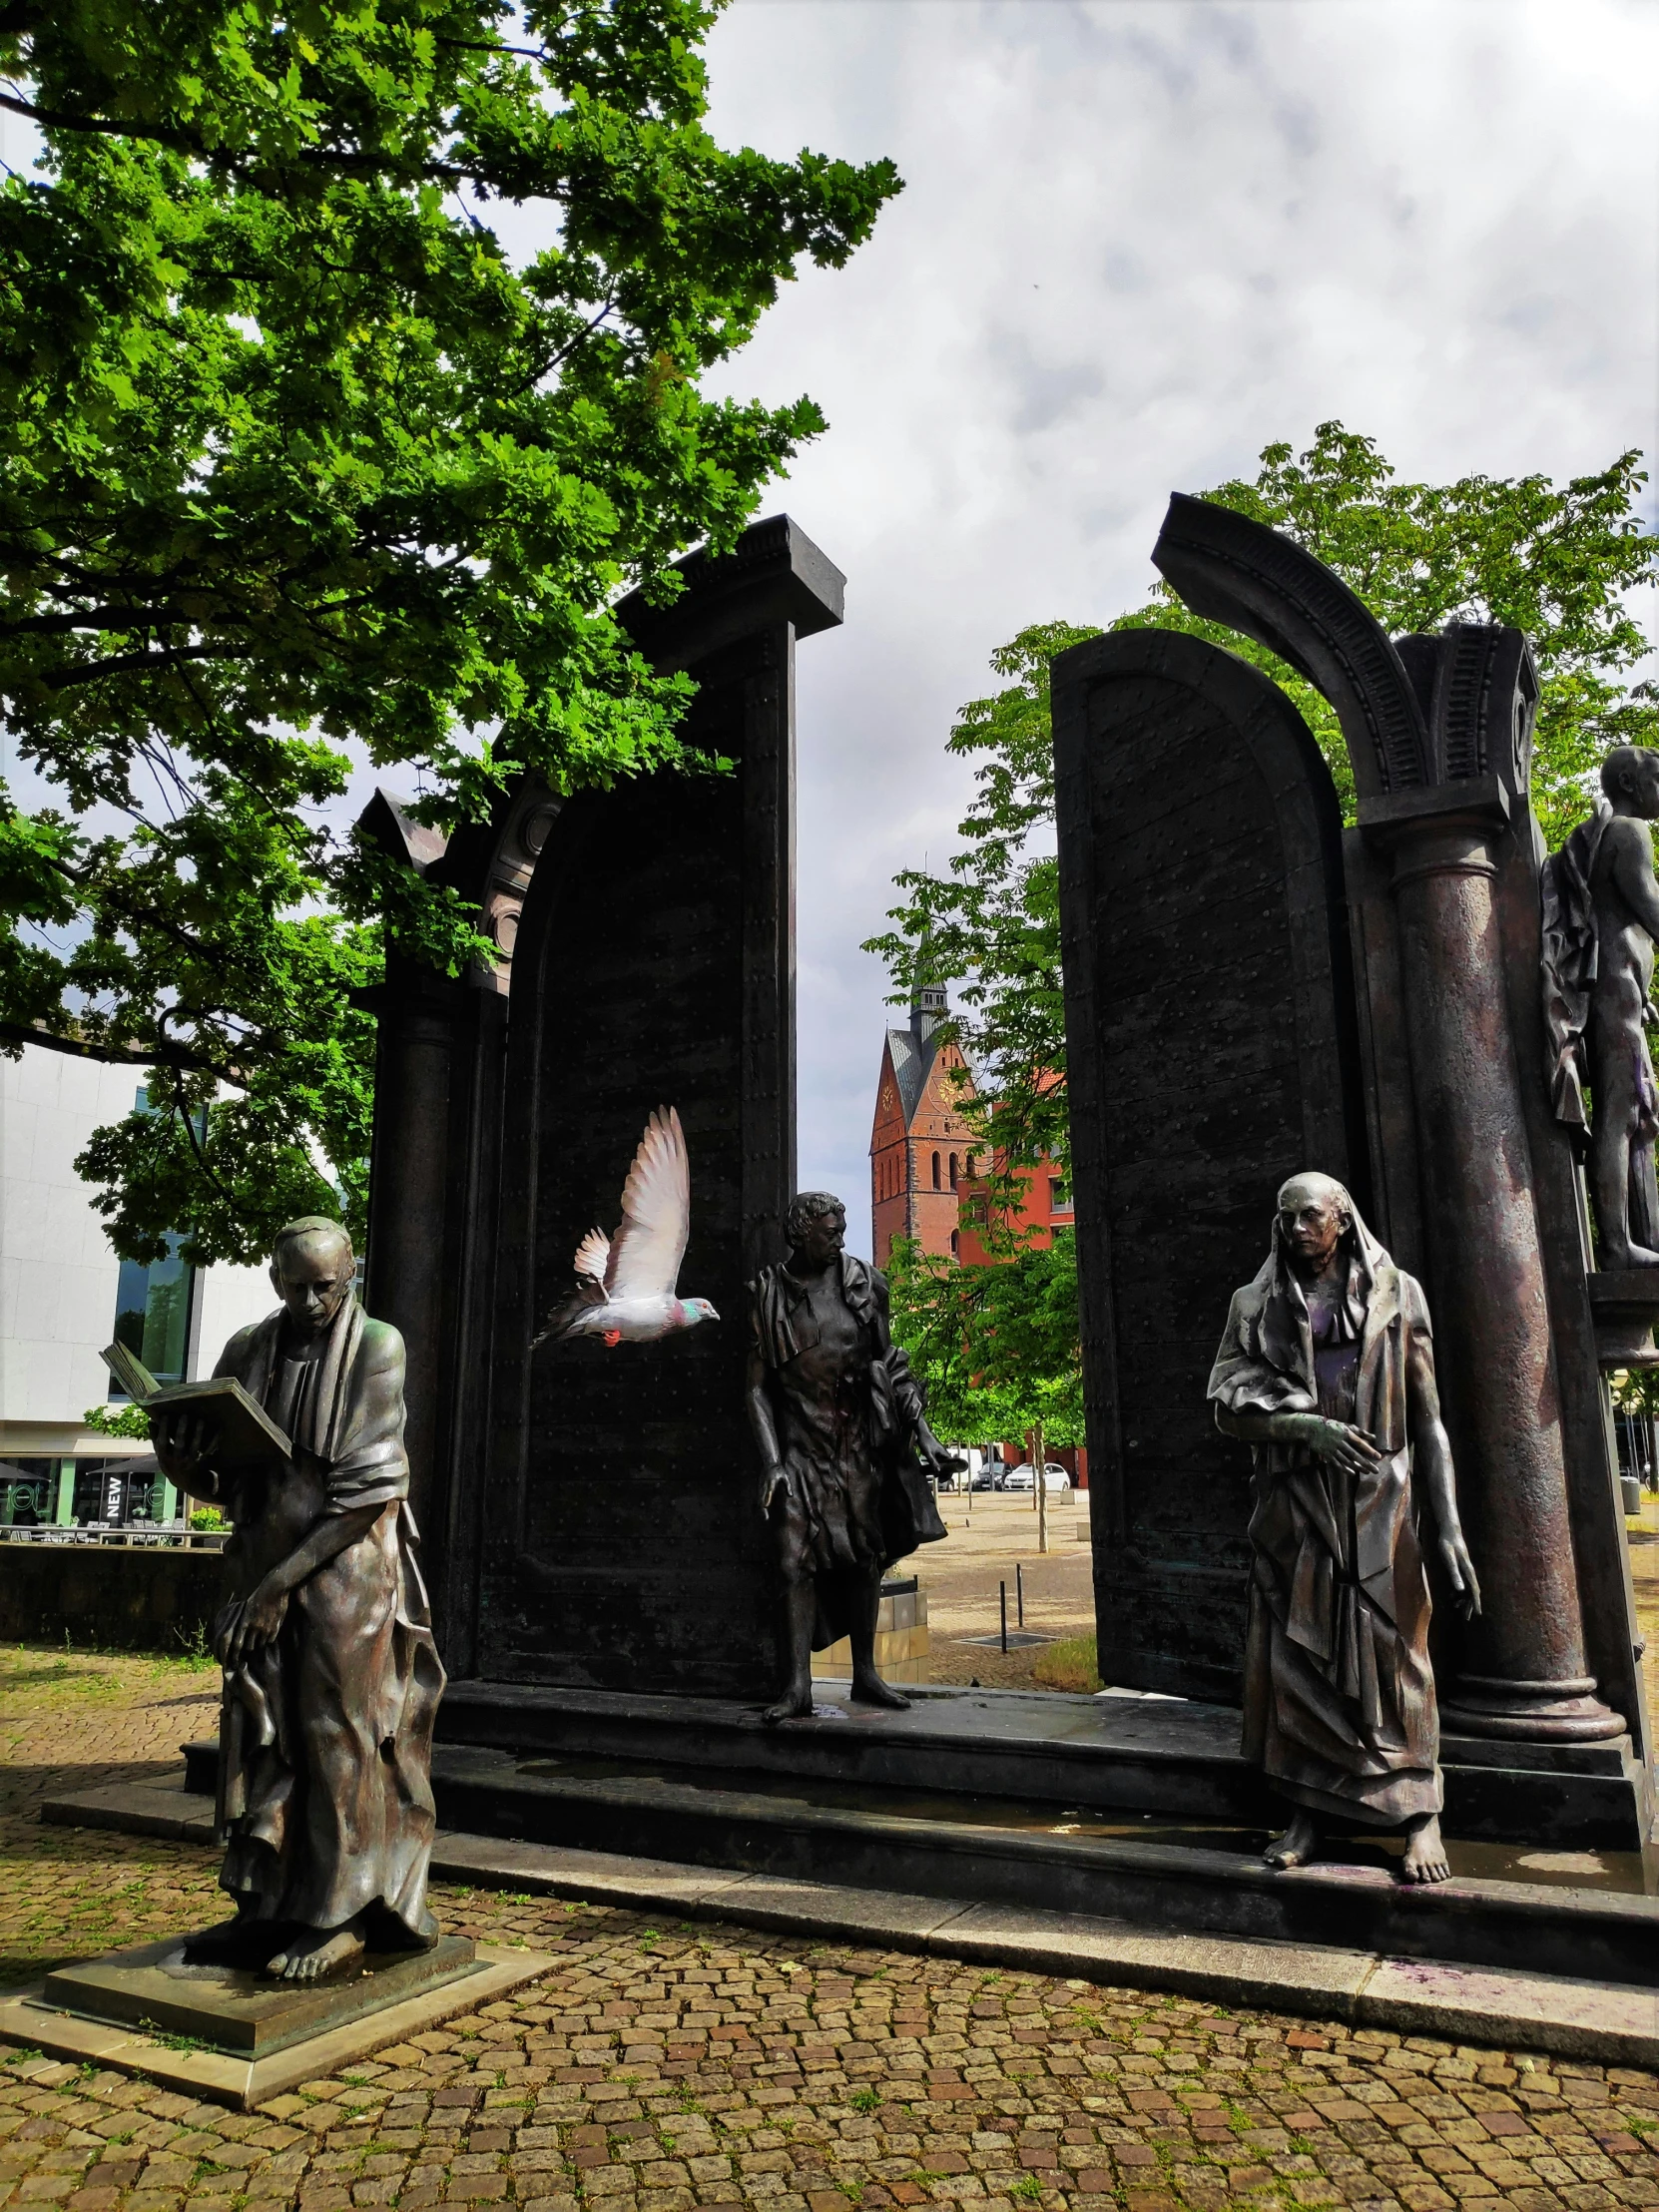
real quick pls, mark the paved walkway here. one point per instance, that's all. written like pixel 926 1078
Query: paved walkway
pixel 961 1577
pixel 659 2068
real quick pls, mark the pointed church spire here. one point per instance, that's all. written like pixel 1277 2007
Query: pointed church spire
pixel 930 1005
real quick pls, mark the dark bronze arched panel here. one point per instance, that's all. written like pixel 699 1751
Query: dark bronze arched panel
pixel 1211 1053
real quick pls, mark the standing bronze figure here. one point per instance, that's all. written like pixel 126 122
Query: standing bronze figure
pixel 838 1421
pixel 331 1677
pixel 1600 919
pixel 1327 1369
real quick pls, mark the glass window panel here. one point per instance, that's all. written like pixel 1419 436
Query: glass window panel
pixel 152 1314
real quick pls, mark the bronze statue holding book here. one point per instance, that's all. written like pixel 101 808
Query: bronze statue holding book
pixel 331 1677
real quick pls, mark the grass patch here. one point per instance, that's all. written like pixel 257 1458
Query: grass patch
pixel 1072 1664
pixel 159 2034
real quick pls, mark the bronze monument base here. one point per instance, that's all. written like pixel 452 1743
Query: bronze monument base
pixel 230 2035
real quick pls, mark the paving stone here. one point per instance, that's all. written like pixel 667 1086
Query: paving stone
pixel 666 2069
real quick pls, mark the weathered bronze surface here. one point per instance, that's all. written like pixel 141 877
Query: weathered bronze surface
pixel 838 1421
pixel 1211 1046
pixel 1600 919
pixel 1327 1369
pixel 583 1528
pixel 1472 1175
pixel 233 2008
pixel 331 1677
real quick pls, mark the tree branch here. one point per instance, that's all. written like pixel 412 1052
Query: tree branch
pixel 70 673
pixel 133 1055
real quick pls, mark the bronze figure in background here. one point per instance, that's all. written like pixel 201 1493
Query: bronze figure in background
pixel 1327 1369
pixel 331 1677
pixel 1600 920
pixel 839 1423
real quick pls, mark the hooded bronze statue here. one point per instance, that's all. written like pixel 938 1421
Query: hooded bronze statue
pixel 1327 1369
pixel 331 1676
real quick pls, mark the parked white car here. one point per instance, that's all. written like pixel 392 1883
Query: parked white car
pixel 1021 1478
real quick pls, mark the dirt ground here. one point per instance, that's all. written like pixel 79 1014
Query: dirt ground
pixel 961 1577
pixel 1645 1573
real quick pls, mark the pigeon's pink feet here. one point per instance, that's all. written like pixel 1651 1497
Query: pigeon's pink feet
pixel 613 1337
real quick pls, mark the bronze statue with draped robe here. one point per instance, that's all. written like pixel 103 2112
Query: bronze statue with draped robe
pixel 1326 1369
pixel 331 1677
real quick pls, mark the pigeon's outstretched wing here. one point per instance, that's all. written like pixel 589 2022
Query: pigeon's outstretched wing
pixel 593 1258
pixel 656 1213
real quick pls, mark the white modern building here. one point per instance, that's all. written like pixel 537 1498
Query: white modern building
pixel 64 1295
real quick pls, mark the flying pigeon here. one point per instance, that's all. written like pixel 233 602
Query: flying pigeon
pixel 625 1287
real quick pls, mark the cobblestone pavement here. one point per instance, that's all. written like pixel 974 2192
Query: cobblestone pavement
pixel 654 2070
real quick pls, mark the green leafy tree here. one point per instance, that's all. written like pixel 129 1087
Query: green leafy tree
pixel 1556 561
pixel 303 470
pixel 997 1345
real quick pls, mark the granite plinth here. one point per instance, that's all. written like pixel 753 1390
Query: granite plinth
pixel 236 2010
pixel 182 2063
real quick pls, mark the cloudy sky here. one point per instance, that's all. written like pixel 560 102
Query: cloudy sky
pixel 1138 242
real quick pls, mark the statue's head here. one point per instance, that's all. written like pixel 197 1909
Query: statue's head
pixel 815 1225
pixel 1313 1213
pixel 1630 777
pixel 312 1270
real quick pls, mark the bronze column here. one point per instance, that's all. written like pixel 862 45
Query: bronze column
pixel 1523 1674
pixel 407 1260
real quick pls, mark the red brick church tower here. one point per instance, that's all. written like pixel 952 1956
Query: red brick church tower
pixel 921 1147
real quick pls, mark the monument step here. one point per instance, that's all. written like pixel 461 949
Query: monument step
pixel 1194 1878
pixel 1604 2022
pixel 1172 1757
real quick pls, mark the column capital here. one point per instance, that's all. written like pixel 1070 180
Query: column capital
pixel 1438 829
pixel 1479 802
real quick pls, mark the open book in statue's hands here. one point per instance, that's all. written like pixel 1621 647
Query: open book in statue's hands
pixel 245 1433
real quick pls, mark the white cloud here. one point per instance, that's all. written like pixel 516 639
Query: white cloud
pixel 1137 242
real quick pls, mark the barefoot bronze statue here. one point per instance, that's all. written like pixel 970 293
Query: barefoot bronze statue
pixel 1600 920
pixel 331 1677
pixel 1327 1369
pixel 838 1421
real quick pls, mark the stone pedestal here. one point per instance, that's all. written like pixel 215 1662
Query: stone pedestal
pixel 220 2034
pixel 1625 1302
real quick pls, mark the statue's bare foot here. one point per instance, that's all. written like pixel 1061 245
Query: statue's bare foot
pixel 233 1943
pixel 317 1951
pixel 1426 1859
pixel 795 1704
pixel 1298 1844
pixel 869 1689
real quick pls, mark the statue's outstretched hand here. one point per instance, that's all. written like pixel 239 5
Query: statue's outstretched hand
pixel 1342 1444
pixel 773 1480
pixel 1459 1573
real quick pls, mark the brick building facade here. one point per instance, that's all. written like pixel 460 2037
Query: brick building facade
pixel 922 1157
pixel 920 1145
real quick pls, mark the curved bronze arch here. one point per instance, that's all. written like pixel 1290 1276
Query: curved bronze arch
pixel 1236 571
